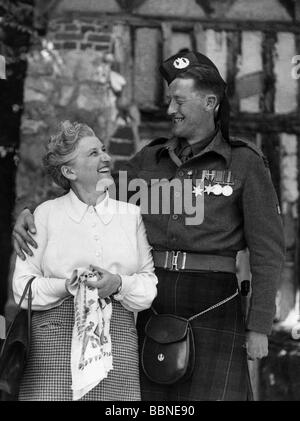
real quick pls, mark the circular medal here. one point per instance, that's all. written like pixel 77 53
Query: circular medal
pixel 217 189
pixel 227 190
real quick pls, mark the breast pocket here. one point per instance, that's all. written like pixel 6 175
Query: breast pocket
pixel 221 206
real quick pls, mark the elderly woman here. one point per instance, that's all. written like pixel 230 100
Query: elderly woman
pixel 88 244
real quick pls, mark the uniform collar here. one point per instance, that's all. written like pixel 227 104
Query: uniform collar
pixel 171 144
pixel 218 145
pixel 76 209
pixel 200 146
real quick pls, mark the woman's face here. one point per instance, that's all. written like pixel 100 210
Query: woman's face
pixel 91 165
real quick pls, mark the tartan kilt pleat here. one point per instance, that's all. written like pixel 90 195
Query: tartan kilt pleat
pixel 221 371
pixel 47 375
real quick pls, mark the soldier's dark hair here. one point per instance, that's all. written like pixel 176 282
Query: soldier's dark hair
pixel 205 78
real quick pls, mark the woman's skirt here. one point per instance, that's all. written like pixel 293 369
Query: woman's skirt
pixel 47 374
pixel 221 371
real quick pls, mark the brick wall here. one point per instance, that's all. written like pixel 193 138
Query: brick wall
pixel 81 34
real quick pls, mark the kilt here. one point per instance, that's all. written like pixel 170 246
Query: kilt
pixel 221 370
pixel 47 375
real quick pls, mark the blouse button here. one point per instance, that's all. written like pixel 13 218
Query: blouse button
pixel 97 254
pixel 94 224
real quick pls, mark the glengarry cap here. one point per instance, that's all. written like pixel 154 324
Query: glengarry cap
pixel 181 62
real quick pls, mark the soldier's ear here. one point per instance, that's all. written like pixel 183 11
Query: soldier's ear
pixel 211 102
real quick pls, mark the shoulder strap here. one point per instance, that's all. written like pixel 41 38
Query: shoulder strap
pixel 27 287
pixel 236 142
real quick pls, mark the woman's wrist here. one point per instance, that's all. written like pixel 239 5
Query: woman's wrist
pixel 67 287
pixel 70 289
pixel 119 287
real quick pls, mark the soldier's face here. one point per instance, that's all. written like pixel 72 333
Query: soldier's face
pixel 187 108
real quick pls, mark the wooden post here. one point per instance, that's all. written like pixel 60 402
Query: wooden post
pixel 297 259
pixel 270 142
pixel 233 51
pixel 297 10
pixel 166 28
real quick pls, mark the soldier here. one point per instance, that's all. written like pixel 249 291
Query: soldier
pixel 196 262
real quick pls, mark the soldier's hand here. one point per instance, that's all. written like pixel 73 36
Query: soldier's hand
pixel 256 345
pixel 21 236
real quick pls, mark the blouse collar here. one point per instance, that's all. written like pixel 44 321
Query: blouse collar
pixel 76 209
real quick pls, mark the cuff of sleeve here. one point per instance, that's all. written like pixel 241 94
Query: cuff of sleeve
pixel 126 281
pixel 260 321
pixel 59 287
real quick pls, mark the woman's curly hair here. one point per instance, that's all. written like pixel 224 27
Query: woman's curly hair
pixel 60 147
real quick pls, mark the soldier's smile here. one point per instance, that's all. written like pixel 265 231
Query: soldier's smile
pixel 177 120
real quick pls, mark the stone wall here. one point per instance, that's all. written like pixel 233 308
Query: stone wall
pixel 70 76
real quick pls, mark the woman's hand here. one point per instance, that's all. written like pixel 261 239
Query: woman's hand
pixel 72 283
pixel 107 283
pixel 21 236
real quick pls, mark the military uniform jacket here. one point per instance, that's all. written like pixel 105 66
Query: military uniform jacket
pixel 247 216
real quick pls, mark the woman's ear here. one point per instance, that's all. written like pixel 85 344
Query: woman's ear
pixel 211 102
pixel 68 172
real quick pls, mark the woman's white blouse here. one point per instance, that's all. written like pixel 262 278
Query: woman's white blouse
pixel 71 235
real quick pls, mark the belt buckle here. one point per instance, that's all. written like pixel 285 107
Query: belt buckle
pixel 174 260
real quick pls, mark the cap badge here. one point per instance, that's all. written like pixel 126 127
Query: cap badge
pixel 181 62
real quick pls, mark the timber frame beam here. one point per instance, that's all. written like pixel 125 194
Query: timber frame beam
pixel 187 23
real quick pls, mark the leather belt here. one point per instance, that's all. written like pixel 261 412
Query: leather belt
pixel 181 260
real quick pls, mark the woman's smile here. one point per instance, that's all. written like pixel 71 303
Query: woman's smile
pixel 104 170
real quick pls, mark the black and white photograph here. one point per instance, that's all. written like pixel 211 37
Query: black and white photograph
pixel 149 203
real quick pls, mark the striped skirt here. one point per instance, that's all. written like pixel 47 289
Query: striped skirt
pixel 221 371
pixel 47 374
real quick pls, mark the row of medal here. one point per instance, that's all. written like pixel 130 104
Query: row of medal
pixel 222 180
pixel 218 190
pixel 215 189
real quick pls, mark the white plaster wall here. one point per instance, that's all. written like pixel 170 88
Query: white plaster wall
pixel 286 86
pixel 216 49
pixel 249 62
pixel 289 170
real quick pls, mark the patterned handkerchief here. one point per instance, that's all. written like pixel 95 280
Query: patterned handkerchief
pixel 91 357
